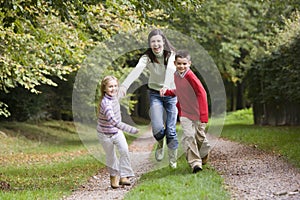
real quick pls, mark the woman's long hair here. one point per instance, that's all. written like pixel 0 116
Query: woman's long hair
pixel 168 47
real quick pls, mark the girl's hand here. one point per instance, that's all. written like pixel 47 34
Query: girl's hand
pixel 136 131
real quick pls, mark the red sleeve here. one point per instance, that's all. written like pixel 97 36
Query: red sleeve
pixel 170 92
pixel 200 94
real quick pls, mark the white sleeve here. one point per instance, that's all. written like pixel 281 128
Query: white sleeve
pixel 136 72
pixel 169 77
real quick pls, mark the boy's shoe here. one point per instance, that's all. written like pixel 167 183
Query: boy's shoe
pixel 124 181
pixel 205 159
pixel 172 158
pixel 159 152
pixel 114 182
pixel 197 168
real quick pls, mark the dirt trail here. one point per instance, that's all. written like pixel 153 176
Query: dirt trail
pixel 248 172
pixel 253 174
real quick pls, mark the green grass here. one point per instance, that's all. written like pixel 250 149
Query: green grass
pixel 43 161
pixel 283 140
pixel 50 181
pixel 169 184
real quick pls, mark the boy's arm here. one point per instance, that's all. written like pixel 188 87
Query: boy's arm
pixel 201 97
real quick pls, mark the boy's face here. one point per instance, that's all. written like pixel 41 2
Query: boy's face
pixel 182 64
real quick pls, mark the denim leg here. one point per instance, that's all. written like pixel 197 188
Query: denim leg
pixel 157 116
pixel 170 131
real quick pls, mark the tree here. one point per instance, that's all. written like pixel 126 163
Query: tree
pixel 41 40
pixel 274 78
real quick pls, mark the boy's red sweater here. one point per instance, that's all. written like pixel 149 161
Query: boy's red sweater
pixel 192 99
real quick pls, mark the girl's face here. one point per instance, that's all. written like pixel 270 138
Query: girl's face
pixel 182 64
pixel 157 44
pixel 111 88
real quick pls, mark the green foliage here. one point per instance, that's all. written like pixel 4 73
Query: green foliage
pixel 274 77
pixel 3 109
pixel 45 39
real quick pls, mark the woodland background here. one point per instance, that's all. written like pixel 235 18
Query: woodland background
pixel 255 45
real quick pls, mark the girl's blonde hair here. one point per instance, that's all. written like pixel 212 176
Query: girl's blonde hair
pixel 104 82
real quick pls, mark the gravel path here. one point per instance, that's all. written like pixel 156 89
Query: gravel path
pixel 248 172
pixel 253 174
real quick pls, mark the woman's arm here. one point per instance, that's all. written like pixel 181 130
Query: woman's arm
pixel 134 74
pixel 169 77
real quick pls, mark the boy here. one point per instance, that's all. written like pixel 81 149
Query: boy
pixel 192 109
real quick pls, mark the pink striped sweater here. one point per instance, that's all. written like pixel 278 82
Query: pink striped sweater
pixel 109 120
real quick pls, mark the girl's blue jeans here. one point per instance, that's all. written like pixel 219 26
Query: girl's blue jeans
pixel 163 115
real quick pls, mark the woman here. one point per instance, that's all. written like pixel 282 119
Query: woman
pixel 159 60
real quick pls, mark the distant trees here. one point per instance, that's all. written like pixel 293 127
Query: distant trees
pixel 255 45
pixel 274 78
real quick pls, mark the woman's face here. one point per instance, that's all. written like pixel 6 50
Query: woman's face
pixel 156 44
pixel 111 88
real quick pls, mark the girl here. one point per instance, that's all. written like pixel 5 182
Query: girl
pixel 110 132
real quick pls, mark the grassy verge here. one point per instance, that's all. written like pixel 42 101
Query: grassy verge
pixel 42 161
pixel 283 140
pixel 45 160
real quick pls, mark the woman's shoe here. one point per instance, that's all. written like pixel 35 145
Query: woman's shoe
pixel 159 152
pixel 172 158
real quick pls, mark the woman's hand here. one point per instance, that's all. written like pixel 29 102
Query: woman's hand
pixel 162 91
pixel 122 91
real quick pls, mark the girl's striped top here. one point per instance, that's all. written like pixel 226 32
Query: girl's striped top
pixel 109 120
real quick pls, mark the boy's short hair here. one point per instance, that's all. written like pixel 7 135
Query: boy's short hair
pixel 183 53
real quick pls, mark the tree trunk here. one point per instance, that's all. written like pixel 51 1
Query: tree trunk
pixel 277 114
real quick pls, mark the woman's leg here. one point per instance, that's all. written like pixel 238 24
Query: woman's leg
pixel 171 112
pixel 157 116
